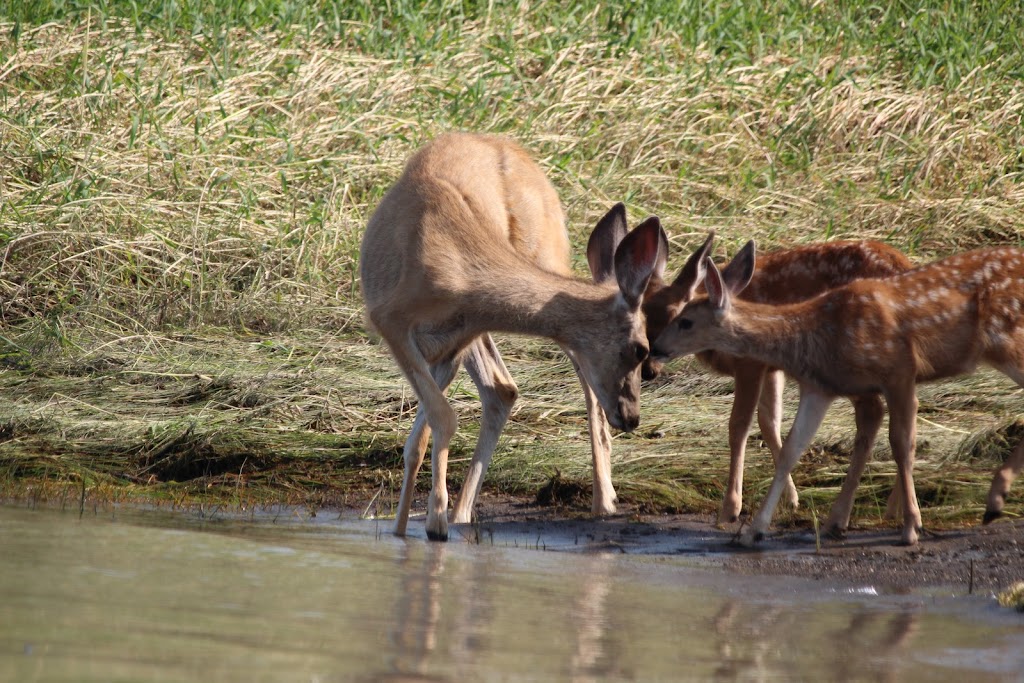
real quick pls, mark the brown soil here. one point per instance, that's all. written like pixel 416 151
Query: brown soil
pixel 977 558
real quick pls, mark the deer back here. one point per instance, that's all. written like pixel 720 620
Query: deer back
pixel 464 206
pixel 936 321
pixel 941 319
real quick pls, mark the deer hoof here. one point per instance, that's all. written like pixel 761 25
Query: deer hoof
pixel 991 515
pixel 750 539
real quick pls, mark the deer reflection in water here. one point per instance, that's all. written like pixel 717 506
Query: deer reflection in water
pixel 757 644
pixel 456 601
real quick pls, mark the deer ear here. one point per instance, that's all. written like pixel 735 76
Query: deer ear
pixel 636 259
pixel 718 292
pixel 737 274
pixel 604 241
pixel 659 267
pixel 694 270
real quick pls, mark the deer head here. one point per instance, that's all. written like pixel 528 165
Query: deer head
pixel 706 320
pixel 662 301
pixel 610 353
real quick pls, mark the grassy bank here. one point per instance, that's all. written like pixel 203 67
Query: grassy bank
pixel 183 188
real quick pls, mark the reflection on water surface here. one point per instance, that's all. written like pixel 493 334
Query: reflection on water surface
pixel 143 595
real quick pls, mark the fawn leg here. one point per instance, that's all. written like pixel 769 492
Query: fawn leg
pixel 869 412
pixel 746 391
pixel 769 419
pixel 813 406
pixel 902 401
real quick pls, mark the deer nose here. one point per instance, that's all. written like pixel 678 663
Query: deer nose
pixel 650 369
pixel 627 417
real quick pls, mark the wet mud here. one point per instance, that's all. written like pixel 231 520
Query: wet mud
pixel 973 559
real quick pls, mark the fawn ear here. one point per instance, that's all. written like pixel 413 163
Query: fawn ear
pixel 604 241
pixel 718 292
pixel 659 267
pixel 737 274
pixel 693 271
pixel 636 258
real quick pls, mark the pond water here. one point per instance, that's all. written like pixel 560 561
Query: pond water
pixel 130 595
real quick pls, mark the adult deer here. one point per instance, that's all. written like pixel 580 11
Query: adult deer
pixel 782 277
pixel 470 240
pixel 870 336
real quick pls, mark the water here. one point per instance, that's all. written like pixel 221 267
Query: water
pixel 135 595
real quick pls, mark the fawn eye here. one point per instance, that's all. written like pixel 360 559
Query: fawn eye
pixel 685 323
pixel 640 351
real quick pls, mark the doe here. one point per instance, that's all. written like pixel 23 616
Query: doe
pixel 471 239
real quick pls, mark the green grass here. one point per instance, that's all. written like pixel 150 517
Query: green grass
pixel 183 188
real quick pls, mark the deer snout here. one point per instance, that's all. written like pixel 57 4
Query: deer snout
pixel 651 369
pixel 627 417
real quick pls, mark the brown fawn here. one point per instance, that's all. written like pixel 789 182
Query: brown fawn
pixel 782 277
pixel 879 336
pixel 471 239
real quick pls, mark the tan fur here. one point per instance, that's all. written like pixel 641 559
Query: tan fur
pixel 783 276
pixel 869 337
pixel 471 239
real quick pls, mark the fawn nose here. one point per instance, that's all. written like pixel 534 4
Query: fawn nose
pixel 651 369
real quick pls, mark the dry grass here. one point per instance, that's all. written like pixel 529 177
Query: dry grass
pixel 180 217
pixel 1013 597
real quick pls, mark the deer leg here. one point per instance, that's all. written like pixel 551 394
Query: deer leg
pixel 894 504
pixel 416 445
pixel 1001 481
pixel 1008 471
pixel 498 394
pixel 813 406
pixel 600 447
pixel 439 418
pixel 769 420
pixel 746 391
pixel 902 401
pixel 412 458
pixel 869 412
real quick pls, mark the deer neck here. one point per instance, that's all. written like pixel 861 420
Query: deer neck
pixel 536 302
pixel 786 336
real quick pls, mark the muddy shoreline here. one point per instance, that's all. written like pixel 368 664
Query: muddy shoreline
pixel 972 559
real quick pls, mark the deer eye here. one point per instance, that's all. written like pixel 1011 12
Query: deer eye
pixel 685 323
pixel 640 351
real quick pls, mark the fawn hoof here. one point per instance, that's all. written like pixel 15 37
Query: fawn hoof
pixel 991 515
pixel 835 533
pixel 437 536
